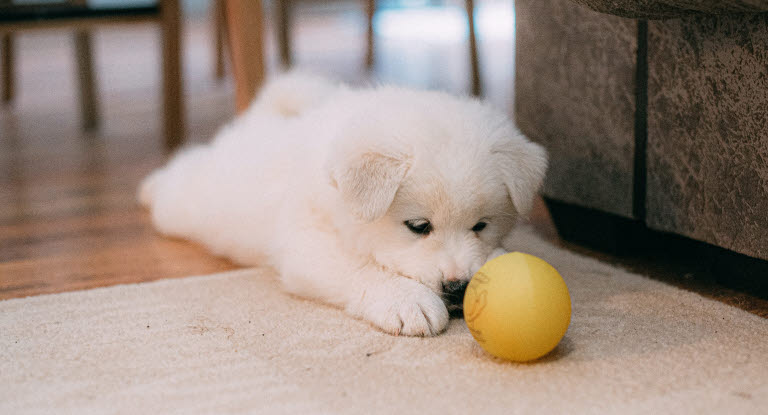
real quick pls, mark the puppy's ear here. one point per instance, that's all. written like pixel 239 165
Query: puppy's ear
pixel 368 180
pixel 523 165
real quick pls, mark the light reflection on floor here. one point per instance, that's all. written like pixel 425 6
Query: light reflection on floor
pixel 446 24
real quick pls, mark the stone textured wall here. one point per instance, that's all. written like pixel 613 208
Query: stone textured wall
pixel 574 93
pixel 708 130
pixel 663 9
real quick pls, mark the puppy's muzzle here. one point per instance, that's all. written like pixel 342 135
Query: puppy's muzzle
pixel 453 294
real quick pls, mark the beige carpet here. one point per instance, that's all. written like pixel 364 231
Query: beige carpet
pixel 234 343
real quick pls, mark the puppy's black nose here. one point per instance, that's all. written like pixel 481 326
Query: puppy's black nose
pixel 453 291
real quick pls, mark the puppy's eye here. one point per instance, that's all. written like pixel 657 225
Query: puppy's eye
pixel 479 226
pixel 419 226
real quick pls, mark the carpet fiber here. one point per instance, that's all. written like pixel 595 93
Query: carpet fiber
pixel 234 343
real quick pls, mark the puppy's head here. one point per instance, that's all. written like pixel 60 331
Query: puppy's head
pixel 430 184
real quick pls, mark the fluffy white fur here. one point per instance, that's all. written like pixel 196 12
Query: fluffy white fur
pixel 317 180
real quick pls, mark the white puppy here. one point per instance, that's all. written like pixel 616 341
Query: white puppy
pixel 381 201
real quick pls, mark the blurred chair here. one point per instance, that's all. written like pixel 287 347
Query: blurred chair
pixel 244 24
pixel 244 21
pixel 81 15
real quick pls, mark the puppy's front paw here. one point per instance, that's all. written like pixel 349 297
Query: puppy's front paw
pixel 496 253
pixel 403 306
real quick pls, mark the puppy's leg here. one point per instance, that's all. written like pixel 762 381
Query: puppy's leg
pixel 399 305
pixel 317 267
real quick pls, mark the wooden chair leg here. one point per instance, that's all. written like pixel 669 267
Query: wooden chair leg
pixel 89 107
pixel 219 29
pixel 283 21
pixel 245 21
pixel 7 67
pixel 477 89
pixel 173 104
pixel 370 10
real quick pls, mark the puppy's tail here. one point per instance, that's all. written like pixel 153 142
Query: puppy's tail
pixel 291 94
pixel 147 189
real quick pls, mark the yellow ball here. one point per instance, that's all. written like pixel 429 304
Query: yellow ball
pixel 517 307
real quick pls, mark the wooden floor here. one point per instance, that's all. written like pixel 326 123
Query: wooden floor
pixel 69 219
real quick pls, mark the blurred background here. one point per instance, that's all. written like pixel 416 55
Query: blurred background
pixel 418 43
